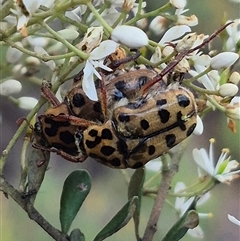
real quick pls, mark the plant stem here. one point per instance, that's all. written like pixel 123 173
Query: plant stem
pixel 167 176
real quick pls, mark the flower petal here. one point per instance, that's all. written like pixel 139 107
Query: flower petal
pixel 224 60
pixel 233 219
pixel 106 48
pixel 88 82
pixel 174 33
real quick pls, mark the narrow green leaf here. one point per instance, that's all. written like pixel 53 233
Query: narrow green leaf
pixel 75 189
pixel 135 189
pixel 77 235
pixel 119 220
pixel 189 220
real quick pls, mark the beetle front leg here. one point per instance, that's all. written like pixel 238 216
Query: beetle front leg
pixel 73 120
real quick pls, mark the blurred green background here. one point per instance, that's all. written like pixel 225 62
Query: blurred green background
pixel 109 189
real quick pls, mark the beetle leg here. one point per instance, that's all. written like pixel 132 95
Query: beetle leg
pixel 73 120
pixel 71 158
pixel 48 94
pixel 103 97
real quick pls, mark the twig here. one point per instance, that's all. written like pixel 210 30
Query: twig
pixel 167 176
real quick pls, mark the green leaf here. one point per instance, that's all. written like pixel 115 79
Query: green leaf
pixel 189 220
pixel 119 220
pixel 77 235
pixel 135 189
pixel 75 189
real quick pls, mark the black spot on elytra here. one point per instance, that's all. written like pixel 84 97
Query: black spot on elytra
pixel 97 107
pixel 93 144
pixel 191 129
pixel 144 124
pixel 181 122
pixel 93 133
pixel 183 100
pixel 107 150
pixel 170 140
pixel 142 81
pixel 124 117
pixel 122 147
pixel 78 100
pixel 164 115
pixel 151 150
pixel 116 162
pixel 66 137
pixel 120 85
pixel 161 102
pixel 54 126
pixel 106 134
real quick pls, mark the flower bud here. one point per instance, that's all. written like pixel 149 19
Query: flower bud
pixel 13 55
pixel 228 89
pixel 130 36
pixel 68 34
pixel 167 51
pixel 158 25
pixel 27 103
pixel 223 60
pixel 33 61
pixel 10 87
pixel 234 78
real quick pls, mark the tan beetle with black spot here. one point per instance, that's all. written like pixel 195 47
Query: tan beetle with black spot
pixel 138 118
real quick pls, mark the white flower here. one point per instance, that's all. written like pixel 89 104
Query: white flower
pixel 222 170
pixel 27 103
pixel 91 40
pixel 96 60
pixel 187 20
pixel 10 87
pixel 25 9
pixel 233 220
pixel 223 60
pixel 130 36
